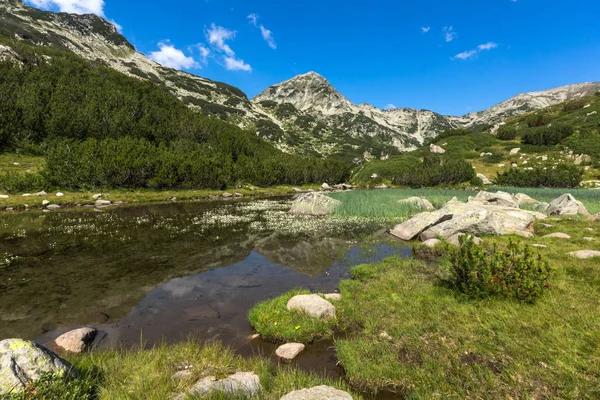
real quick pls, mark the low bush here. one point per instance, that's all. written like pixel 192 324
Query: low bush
pixel 547 136
pixel 560 176
pixel 574 105
pixel 538 119
pixel 507 133
pixel 22 182
pixel 514 272
pixel 435 170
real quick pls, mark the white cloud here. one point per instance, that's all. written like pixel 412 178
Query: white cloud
pixel 234 64
pixel 171 57
pixel 217 36
pixel 253 19
pixel 390 107
pixel 268 37
pixel 487 46
pixel 449 34
pixel 465 55
pixel 266 34
pixel 72 6
pixel 425 29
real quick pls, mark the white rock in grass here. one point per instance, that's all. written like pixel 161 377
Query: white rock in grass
pixel 52 207
pixel 436 149
pixel 289 351
pixel 239 384
pixel 97 196
pixel 589 239
pixel 515 151
pixel 539 246
pixel 45 203
pixel 431 243
pixel 59 194
pixel 333 296
pixel 3 196
pixel 313 305
pixel 484 179
pixel 318 393
pixel 102 203
pixel 420 203
pixel 585 254
pixel 558 235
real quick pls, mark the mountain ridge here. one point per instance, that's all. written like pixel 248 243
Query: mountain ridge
pixel 304 114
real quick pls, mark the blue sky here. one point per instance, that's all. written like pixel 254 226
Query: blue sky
pixel 452 57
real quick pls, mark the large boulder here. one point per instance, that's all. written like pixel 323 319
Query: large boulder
pixel 77 340
pixel 475 218
pixel 314 204
pixel 239 384
pixel 419 203
pixel 567 205
pixel 318 393
pixel 23 362
pixel 496 199
pixel 313 305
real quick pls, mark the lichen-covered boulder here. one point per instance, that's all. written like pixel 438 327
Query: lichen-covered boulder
pixel 23 362
pixel 318 393
pixel 567 205
pixel 497 199
pixel 313 305
pixel 314 204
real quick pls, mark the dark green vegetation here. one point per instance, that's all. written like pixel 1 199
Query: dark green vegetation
pixel 148 374
pixel 560 176
pixel 514 272
pixel 100 128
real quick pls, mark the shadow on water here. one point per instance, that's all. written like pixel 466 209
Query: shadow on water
pixel 165 273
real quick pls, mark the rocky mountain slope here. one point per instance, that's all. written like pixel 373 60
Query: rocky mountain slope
pixel 303 115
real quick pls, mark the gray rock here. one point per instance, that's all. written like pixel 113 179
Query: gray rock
pixel 240 383
pixel 59 194
pixel 474 218
pixel 431 243
pixel 227 195
pixel 45 203
pixel 585 254
pixel 333 296
pixel 420 203
pixel 42 193
pixel 23 362
pixel 558 235
pixel 312 305
pixel 567 205
pixel 77 340
pixel 436 149
pixel 238 195
pixel 539 246
pixel 97 196
pixel 182 375
pixel 325 186
pixel 318 393
pixel 589 239
pixel 525 199
pixel 297 190
pixel 515 151
pixel 314 204
pixel 289 351
pixel 380 187
pixel 484 179
pixel 454 240
pixel 52 207
pixel 102 203
pixel 498 199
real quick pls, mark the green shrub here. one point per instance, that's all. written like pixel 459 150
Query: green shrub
pixel 538 119
pixel 22 182
pixel 574 105
pixel 507 133
pixel 453 132
pixel 561 176
pixel 493 159
pixel 436 170
pixel 514 272
pixel 547 136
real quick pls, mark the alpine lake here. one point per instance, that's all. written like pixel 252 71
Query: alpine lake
pixel 149 274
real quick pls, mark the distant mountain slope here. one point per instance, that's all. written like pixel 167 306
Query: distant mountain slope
pixel 304 115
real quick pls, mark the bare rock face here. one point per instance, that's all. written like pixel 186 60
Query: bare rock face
pixel 313 305
pixel 23 362
pixel 585 254
pixel 318 393
pixel 475 218
pixel 567 205
pixel 240 383
pixel 316 204
pixel 420 203
pixel 76 341
pixel 289 351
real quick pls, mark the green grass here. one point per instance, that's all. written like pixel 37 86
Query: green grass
pixel 148 374
pixel 384 203
pixel 26 163
pixel 275 323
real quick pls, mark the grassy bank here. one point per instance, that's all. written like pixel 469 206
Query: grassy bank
pixel 384 203
pixel 405 329
pixel 148 374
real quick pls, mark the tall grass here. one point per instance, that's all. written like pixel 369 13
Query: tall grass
pixel 384 203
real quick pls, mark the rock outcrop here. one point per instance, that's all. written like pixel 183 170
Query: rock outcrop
pixel 497 199
pixel 23 362
pixel 314 204
pixel 567 205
